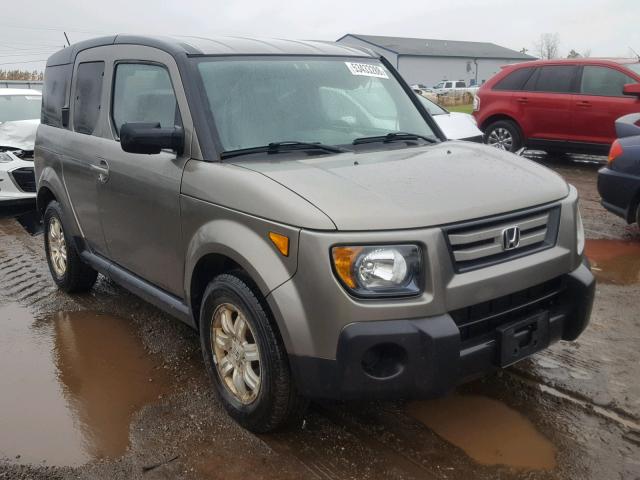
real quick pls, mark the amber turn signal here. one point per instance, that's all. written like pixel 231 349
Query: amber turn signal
pixel 281 242
pixel 343 259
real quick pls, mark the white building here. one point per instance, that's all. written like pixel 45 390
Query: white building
pixel 427 61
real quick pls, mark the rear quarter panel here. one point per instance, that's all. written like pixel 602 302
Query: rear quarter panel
pixel 48 173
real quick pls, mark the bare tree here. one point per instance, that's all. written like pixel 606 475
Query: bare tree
pixel 547 46
pixel 575 54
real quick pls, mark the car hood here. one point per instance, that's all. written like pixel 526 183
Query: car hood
pixel 413 187
pixel 456 125
pixel 19 134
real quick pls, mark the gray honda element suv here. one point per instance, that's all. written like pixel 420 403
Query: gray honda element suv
pixel 296 204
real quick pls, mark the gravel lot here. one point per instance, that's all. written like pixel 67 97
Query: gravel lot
pixel 104 385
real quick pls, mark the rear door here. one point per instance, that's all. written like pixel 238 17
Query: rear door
pixel 599 102
pixel 81 162
pixel 544 104
pixel 140 201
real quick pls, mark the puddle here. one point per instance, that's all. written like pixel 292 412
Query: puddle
pixel 487 430
pixel 614 261
pixel 70 385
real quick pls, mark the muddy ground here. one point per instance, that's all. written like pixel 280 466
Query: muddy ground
pixel 104 385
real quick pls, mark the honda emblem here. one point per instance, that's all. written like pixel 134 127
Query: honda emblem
pixel 510 238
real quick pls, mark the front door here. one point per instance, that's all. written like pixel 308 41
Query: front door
pixel 140 201
pixel 599 103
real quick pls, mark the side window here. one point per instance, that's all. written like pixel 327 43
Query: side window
pixel 144 93
pixel 87 95
pixel 603 81
pixel 460 85
pixel 54 93
pixel 515 80
pixel 556 79
pixel 449 85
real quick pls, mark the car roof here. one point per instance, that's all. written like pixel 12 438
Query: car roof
pixel 577 61
pixel 19 91
pixel 187 45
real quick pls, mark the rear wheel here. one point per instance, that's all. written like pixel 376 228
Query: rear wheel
pixel 245 357
pixel 504 135
pixel 69 272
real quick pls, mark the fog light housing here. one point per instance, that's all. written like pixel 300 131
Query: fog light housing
pixel 384 361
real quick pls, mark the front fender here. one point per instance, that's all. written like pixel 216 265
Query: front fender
pixel 212 229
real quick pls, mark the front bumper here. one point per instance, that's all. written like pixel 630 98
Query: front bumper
pixel 17 184
pixel 618 191
pixel 429 356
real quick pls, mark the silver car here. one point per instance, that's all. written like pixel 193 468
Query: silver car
pixel 297 205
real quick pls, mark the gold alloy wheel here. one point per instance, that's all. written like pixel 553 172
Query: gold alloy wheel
pixel 235 353
pixel 57 247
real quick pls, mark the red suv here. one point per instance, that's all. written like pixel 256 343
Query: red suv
pixel 558 105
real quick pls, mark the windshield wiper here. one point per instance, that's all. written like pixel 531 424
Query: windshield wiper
pixel 392 137
pixel 279 147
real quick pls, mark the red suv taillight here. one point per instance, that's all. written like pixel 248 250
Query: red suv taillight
pixel 615 151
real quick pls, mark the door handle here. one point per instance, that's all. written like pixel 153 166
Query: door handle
pixel 584 104
pixel 523 100
pixel 102 169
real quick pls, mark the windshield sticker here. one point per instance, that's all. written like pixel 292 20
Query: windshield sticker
pixel 366 70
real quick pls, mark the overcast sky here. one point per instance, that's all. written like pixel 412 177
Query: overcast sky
pixel 31 30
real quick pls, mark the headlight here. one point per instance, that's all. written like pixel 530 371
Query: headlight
pixel 384 270
pixel 579 233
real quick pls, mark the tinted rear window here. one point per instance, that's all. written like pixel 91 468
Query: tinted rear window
pixel 515 80
pixel 87 93
pixel 54 93
pixel 555 79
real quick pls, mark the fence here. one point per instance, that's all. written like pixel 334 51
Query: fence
pixel 451 98
pixel 32 84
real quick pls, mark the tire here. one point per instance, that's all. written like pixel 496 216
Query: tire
pixel 504 134
pixel 71 275
pixel 275 402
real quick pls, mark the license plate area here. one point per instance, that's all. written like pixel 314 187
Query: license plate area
pixel 523 338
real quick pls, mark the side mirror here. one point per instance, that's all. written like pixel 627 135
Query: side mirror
pixel 632 89
pixel 149 138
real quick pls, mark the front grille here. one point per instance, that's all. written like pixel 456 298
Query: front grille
pixel 24 179
pixel 482 319
pixel 481 243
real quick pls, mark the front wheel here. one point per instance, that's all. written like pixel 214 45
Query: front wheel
pixel 504 135
pixel 245 357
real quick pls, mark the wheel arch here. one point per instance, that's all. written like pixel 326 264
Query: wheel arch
pixel 497 117
pixel 222 246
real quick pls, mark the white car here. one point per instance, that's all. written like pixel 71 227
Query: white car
pixel 455 125
pixel 19 120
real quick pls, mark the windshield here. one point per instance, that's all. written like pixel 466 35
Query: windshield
pixel 19 107
pixel 255 102
pixel 634 66
pixel 431 107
